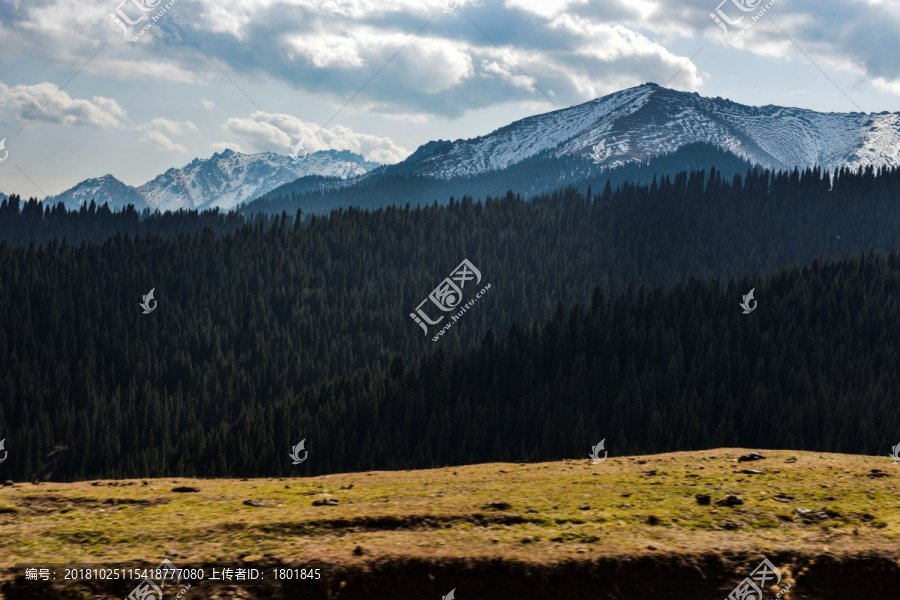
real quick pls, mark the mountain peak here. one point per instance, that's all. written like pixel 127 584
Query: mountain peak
pixel 108 178
pixel 228 178
pixel 105 189
pixel 649 120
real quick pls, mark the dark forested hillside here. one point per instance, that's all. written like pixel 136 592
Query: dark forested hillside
pixel 230 369
pixel 814 367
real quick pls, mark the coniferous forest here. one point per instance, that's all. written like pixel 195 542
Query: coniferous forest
pixel 612 314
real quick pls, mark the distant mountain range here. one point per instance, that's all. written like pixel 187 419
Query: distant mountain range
pixel 225 181
pixel 569 145
pixel 630 135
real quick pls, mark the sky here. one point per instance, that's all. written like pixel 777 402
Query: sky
pixel 136 87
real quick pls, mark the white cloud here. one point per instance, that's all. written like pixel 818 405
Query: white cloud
pixel 330 47
pixel 174 127
pixel 327 51
pixel 153 131
pixel 25 102
pixel 354 37
pixel 432 65
pixel 259 131
pixel 207 104
pixel 148 70
pixel 163 143
pixel 888 86
pixel 545 8
pixel 222 146
pixel 508 72
pixel 264 135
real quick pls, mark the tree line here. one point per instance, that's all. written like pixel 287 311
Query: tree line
pixel 24 222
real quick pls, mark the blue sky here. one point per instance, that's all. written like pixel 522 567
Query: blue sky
pixel 382 77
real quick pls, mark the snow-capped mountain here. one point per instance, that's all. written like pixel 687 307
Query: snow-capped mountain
pixel 230 178
pixel 649 120
pixel 106 189
pixel 634 124
pixel 224 181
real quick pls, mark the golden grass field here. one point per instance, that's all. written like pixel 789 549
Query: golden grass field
pixel 519 521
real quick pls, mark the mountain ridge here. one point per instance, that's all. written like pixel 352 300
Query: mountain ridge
pixel 225 180
pixel 649 120
pixel 629 126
